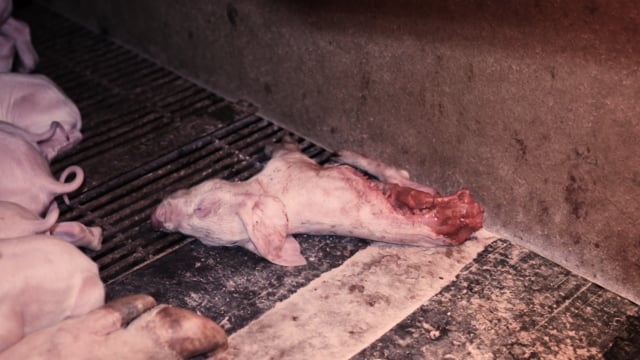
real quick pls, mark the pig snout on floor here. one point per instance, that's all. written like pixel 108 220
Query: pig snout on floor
pixel 158 217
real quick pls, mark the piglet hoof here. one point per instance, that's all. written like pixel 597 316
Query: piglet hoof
pixel 287 143
pixel 457 216
pixel 130 307
pixel 183 332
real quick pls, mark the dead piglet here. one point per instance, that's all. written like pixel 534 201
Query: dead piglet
pixel 34 102
pixel 15 36
pixel 44 281
pixel 132 327
pixel 16 221
pixel 26 178
pixel 293 194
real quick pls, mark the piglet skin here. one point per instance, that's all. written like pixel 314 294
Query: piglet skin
pixel 128 328
pixel 43 280
pixel 293 194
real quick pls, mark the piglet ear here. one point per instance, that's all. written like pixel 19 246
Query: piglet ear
pixel 266 222
pixel 290 254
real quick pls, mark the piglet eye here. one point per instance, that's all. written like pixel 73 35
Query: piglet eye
pixel 201 211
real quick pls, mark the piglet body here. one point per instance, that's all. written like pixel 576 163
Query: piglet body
pixel 33 103
pixel 26 178
pixel 43 280
pixel 293 194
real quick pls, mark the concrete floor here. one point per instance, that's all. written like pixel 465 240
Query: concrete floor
pixel 487 299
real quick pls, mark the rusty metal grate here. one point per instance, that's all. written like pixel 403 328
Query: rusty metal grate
pixel 122 205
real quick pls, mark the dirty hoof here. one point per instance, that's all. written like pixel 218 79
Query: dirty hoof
pixel 184 332
pixel 130 307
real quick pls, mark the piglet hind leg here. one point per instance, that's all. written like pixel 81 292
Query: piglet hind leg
pixel 78 234
pixel 384 172
pixel 287 144
pixel 132 327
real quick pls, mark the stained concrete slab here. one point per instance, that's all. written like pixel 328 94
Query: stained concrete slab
pixel 346 309
pixel 510 303
pixel 530 104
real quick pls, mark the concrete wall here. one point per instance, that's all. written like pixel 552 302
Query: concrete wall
pixel 533 105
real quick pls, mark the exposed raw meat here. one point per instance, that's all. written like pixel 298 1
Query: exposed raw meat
pixel 293 194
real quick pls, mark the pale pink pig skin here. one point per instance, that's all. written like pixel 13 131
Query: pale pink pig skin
pixel 133 327
pixel 16 221
pixel 43 281
pixel 33 138
pixel 293 194
pixel 26 178
pixel 15 39
pixel 34 103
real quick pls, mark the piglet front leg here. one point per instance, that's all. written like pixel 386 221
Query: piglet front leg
pixel 384 172
pixel 21 34
pixel 131 327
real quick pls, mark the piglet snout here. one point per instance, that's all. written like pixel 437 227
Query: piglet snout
pixel 157 218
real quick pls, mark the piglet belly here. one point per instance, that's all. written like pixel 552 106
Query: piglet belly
pixel 350 205
pixel 345 204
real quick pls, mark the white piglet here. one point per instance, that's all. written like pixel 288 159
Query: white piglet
pixel 43 280
pixel 26 178
pixel 34 103
pixel 293 194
